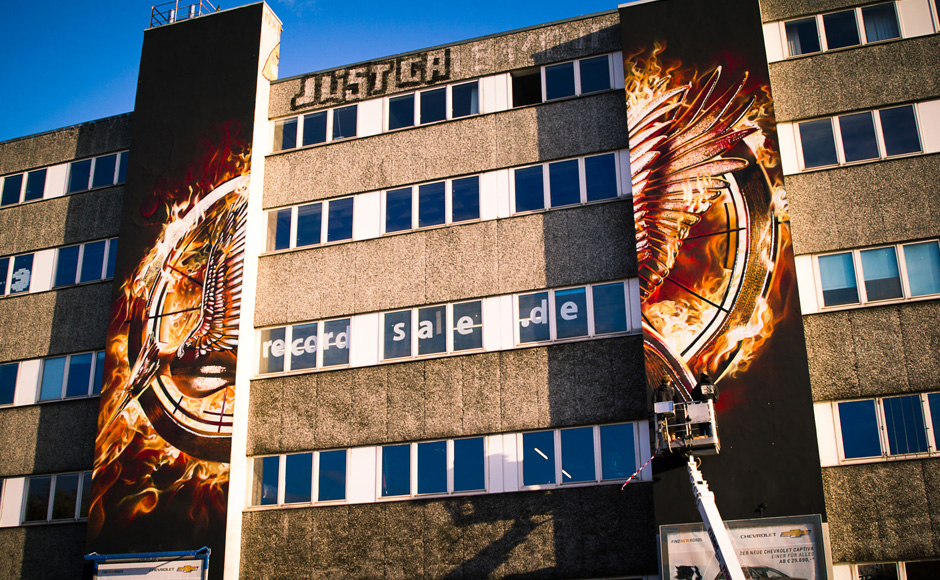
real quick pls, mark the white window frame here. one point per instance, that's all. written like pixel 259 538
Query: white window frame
pixel 883 439
pixel 52 486
pixel 413 467
pixel 65 378
pixel 582 181
pixel 577 77
pixel 415 320
pixel 299 139
pixel 314 483
pixel 324 223
pixel 81 258
pixel 91 172
pixel 821 30
pixel 552 322
pixel 288 339
pixel 23 186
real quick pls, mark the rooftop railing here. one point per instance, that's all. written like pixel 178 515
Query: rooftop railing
pixel 175 11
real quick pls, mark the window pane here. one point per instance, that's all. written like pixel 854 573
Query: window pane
pixel 12 185
pixel 841 29
pixel 66 496
pixel 336 342
pixel 610 308
pixel 298 478
pixel 4 268
pixel 8 374
pixel 880 22
pixel 465 99
pixel 838 279
pixel 577 454
pixel 53 371
pixel 533 318
pixel 99 373
pixel 285 134
pixel 465 197
pixel 265 481
pixel 309 224
pixel 564 183
pixel 433 105
pixel 904 423
pixel 618 459
pixel 559 81
pixel 819 145
pixel 802 37
pixel 272 351
pixel 900 130
pixel 331 483
pixel 340 220
pixel 571 313
pixel 66 267
pixel 303 346
pixel 79 174
pixel 432 336
pixel 344 122
pixel 880 271
pixel 468 325
pixel 526 87
pixel 923 268
pixel 595 74
pixel 35 185
pixel 398 210
pixel 279 226
pixel 92 262
pixel 37 499
pixel 431 204
pixel 112 258
pixel 925 570
pixel 396 470
pixel 933 401
pixel 538 458
pixel 397 333
pixel 878 571
pixel 469 466
pixel 600 175
pixel 86 495
pixel 122 168
pixel 401 112
pixel 858 137
pixel 104 171
pixel 530 193
pixel 859 429
pixel 432 467
pixel 314 128
pixel 22 273
pixel 80 369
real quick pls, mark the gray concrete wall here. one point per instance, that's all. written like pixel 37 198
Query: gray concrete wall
pixel 496 54
pixel 85 140
pixel 588 532
pixel 884 511
pixel 875 351
pixel 48 438
pixel 772 10
pixel 580 383
pixel 517 137
pixel 882 74
pixel 44 552
pixel 864 205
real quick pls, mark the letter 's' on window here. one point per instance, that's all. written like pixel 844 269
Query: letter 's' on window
pixel 859 426
pixel 331 483
pixel 432 467
pixel 841 29
pixel 802 37
pixel 401 112
pixel 465 99
pixel 469 464
pixel 344 122
pixel 285 134
pixel 298 478
pixel 577 455
pixel 880 271
pixel 923 268
pixel 533 318
pixel 559 81
pixel 526 86
pixel 433 105
pixel 314 128
pixel 265 476
pixel 336 342
pixel 900 130
pixel 396 470
pixel 468 325
pixel 397 333
pixel 271 357
pixel 837 274
pixel 466 199
pixel 538 458
pixel 819 145
pixel 8 373
pixel 529 189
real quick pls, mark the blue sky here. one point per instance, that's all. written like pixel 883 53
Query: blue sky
pixel 67 62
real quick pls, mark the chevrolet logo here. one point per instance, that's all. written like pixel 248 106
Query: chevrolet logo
pixel 795 533
pixel 187 569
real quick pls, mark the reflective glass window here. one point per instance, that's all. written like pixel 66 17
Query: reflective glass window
pixel 79 375
pixel 858 137
pixel 859 426
pixel 564 183
pixel 533 317
pixel 900 130
pixel 112 258
pixel 22 273
pixel 397 333
pixel 595 74
pixel 600 176
pixel 431 204
pixel 336 342
pixel 923 268
pixel 66 496
pixel 122 168
pixel 610 308
pixel 344 122
pixel 266 480
pixel 271 359
pixel 529 190
pixel 4 268
pixel 303 346
pixel 837 273
pixel 802 37
pixel 104 171
pixel 538 458
pixel 819 145
pixel 35 185
pixel 79 175
pixel 12 185
pixel 285 134
pixel 469 464
pixel 880 271
pixel 66 266
pixel 465 196
pixel 904 424
pixel 432 330
pixel 526 87
pixel 433 105
pixel 92 261
pixel 280 226
pixel 340 220
pixel 331 480
pixel 841 29
pixel 465 99
pixel 933 401
pixel 8 373
pixel 571 316
pixel 396 470
pixel 468 325
pixel 432 467
pixel 298 478
pixel 38 491
pixel 401 112
pixel 309 224
pixel 398 210
pixel 99 373
pixel 887 571
pixel 577 455
pixel 53 372
pixel 618 459
pixel 314 128
pixel 86 495
pixel 881 22
pixel 559 81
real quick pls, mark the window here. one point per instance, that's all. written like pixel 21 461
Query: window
pixel 75 375
pixel 298 347
pixel 16 273
pixel 571 313
pixel 314 128
pixel 102 171
pixel 426 205
pixel 16 189
pixel 310 224
pixel 888 426
pixel 901 272
pixel 560 183
pixel 557 81
pixel 841 29
pixel 64 496
pixel 432 330
pixel 466 458
pixel 8 374
pixel 802 37
pixel 299 478
pixel 881 22
pixel 344 122
pixel 85 262
pixel 433 105
pixel 859 137
pixel 578 455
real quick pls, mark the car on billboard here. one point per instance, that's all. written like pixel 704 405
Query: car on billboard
pixel 760 573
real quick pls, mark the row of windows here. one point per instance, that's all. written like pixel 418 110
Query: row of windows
pixel 887 273
pixel 540 317
pixel 859 137
pixel 89 262
pixel 577 455
pixel 63 496
pixel 841 29
pixel 922 570
pixel 61 377
pixel 888 426
pixel 557 81
pixel 581 180
pixel 101 171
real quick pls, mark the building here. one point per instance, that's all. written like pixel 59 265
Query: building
pixel 404 318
